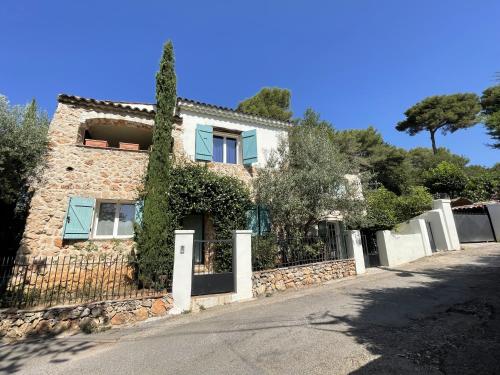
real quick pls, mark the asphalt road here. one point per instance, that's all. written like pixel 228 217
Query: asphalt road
pixel 436 315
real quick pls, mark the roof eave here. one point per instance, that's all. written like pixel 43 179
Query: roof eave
pixel 203 108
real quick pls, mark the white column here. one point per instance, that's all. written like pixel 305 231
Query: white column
pixel 420 227
pixel 384 246
pixel 445 206
pixel 183 263
pixel 242 265
pixel 355 250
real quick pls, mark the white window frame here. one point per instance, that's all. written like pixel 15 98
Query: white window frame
pixel 225 136
pixel 115 234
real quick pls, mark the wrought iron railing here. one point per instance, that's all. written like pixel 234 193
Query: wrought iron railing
pixel 269 251
pixel 50 281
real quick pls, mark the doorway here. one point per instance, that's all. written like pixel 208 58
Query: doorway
pixel 195 222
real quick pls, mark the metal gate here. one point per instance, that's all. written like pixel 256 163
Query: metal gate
pixel 474 225
pixel 212 267
pixel 370 248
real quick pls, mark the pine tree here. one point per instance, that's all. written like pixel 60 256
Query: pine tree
pixel 155 236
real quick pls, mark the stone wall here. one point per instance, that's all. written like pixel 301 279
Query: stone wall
pixel 91 317
pixel 270 281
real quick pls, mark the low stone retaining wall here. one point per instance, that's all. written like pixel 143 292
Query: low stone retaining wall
pixel 91 317
pixel 269 281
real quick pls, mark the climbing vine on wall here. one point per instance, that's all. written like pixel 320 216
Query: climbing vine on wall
pixel 197 190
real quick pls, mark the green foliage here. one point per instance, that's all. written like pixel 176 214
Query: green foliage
pixel 490 102
pixel 197 190
pixel 386 209
pixel 268 102
pixel 447 113
pixel 422 159
pixel 416 201
pixel 381 209
pixel 155 256
pixel 23 143
pixel 446 178
pixel 265 252
pixel 387 165
pixel 306 178
pixel 482 183
pixel 194 189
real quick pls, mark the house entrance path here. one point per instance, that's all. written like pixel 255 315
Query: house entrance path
pixel 436 315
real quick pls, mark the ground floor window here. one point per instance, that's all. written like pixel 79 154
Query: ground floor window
pixel 114 220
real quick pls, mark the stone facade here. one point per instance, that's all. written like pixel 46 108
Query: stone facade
pixel 91 317
pixel 270 281
pixel 72 169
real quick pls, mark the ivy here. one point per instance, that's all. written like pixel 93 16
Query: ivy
pixel 197 190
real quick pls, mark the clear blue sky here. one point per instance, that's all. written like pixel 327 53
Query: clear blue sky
pixel 358 63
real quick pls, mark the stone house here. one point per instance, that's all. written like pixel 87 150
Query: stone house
pixel 86 200
pixel 98 153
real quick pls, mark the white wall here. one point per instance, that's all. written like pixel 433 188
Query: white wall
pixel 410 240
pixel 267 136
pixel 402 247
pixel 439 229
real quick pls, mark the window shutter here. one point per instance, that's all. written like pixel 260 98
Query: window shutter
pixel 139 208
pixel 253 220
pixel 204 142
pixel 78 219
pixel 264 221
pixel 249 143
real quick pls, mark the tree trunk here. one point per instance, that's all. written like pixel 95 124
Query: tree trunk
pixel 433 140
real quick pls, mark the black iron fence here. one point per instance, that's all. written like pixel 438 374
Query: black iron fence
pixel 269 251
pixel 44 281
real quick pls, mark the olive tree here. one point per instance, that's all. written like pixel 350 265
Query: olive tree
pixel 306 179
pixel 23 143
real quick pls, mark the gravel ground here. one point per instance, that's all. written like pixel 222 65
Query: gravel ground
pixel 438 315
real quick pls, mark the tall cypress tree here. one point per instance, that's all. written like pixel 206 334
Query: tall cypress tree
pixel 155 236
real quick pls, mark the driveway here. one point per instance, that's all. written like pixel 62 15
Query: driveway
pixel 436 315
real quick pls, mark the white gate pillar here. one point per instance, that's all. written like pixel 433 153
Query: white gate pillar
pixel 183 263
pixel 355 250
pixel 242 265
pixel 445 206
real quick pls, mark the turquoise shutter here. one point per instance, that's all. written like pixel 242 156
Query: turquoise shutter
pixel 253 220
pixel 139 208
pixel 249 143
pixel 78 219
pixel 264 221
pixel 204 142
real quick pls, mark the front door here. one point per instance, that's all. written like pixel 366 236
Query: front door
pixel 195 222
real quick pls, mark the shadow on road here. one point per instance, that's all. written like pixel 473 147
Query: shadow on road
pixel 458 334
pixel 14 356
pixel 443 321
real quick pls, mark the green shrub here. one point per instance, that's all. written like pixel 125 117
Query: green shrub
pixel 264 252
pixel 385 209
pixel 446 178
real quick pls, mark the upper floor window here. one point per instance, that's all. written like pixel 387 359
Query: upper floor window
pixel 215 144
pixel 225 149
pixel 114 220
